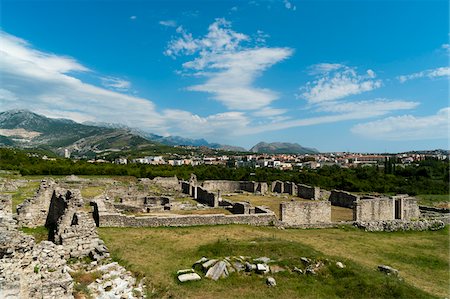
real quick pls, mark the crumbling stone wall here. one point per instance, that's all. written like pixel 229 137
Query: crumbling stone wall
pixel 407 207
pixel 308 192
pixel 400 225
pixel 28 270
pixel 297 212
pixel 343 199
pixel 120 220
pixel 80 237
pixel 374 209
pixel 206 197
pixel 168 182
pixel 254 187
pixel 290 188
pixel 33 211
pixel 222 185
pixel 277 187
pixel 241 208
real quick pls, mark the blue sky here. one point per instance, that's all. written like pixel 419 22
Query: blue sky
pixel 369 76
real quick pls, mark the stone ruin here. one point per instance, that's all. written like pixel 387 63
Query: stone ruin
pixel 27 269
pixel 30 270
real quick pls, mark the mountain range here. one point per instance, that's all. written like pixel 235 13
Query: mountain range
pixel 25 129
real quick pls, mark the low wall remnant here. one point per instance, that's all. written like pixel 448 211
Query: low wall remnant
pixel 299 212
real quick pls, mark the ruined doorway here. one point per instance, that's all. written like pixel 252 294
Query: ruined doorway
pixel 398 209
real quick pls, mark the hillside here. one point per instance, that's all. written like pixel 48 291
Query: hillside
pixel 25 129
pixel 282 148
pixel 171 140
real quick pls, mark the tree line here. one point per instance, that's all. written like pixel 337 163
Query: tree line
pixel 430 176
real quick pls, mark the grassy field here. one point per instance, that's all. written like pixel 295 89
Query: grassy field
pixel 434 200
pixel 92 191
pixel 23 193
pixel 421 257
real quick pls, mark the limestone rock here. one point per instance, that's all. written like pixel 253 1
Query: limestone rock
pixel 262 268
pixel 271 282
pixel 340 265
pixel 208 264
pixel 189 277
pixel 217 271
pixel 185 271
pixel 388 270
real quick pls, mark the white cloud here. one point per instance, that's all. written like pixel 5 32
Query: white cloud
pixel 168 23
pixel 323 68
pixel 371 73
pixel 407 127
pixel 336 82
pixel 289 5
pixel 116 83
pixel 192 125
pixel 269 111
pixel 431 73
pixel 377 106
pixel 446 47
pixel 45 83
pixel 133 18
pixel 230 68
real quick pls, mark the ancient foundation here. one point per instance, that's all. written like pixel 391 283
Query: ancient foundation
pixel 298 213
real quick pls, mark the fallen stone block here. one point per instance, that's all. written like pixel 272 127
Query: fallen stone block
pixel 208 264
pixel 388 270
pixel 271 282
pixel 217 271
pixel 340 265
pixel 262 268
pixel 189 277
pixel 184 271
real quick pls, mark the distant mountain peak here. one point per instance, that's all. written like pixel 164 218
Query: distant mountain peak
pixel 282 148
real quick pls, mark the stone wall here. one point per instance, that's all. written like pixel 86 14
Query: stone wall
pixel 374 209
pixel 33 211
pixel 343 199
pixel 119 220
pixel 30 270
pixel 400 225
pixel 308 192
pixel 241 208
pixel 254 187
pixel 168 182
pixel 290 188
pixel 222 185
pixel 277 187
pixel 409 209
pixel 297 213
pixel 206 197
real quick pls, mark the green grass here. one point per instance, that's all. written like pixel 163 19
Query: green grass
pixel 23 193
pixel 434 200
pixel 421 257
pixel 39 233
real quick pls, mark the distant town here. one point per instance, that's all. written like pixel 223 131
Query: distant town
pixel 279 161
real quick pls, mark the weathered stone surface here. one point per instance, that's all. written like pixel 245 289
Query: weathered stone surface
pixel 115 282
pixel 189 277
pixel 262 259
pixel 271 282
pixel 33 211
pixel 217 271
pixel 388 270
pixel 400 225
pixel 305 212
pixel 340 265
pixel 208 264
pixel 184 271
pixel 262 268
pixel 201 261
